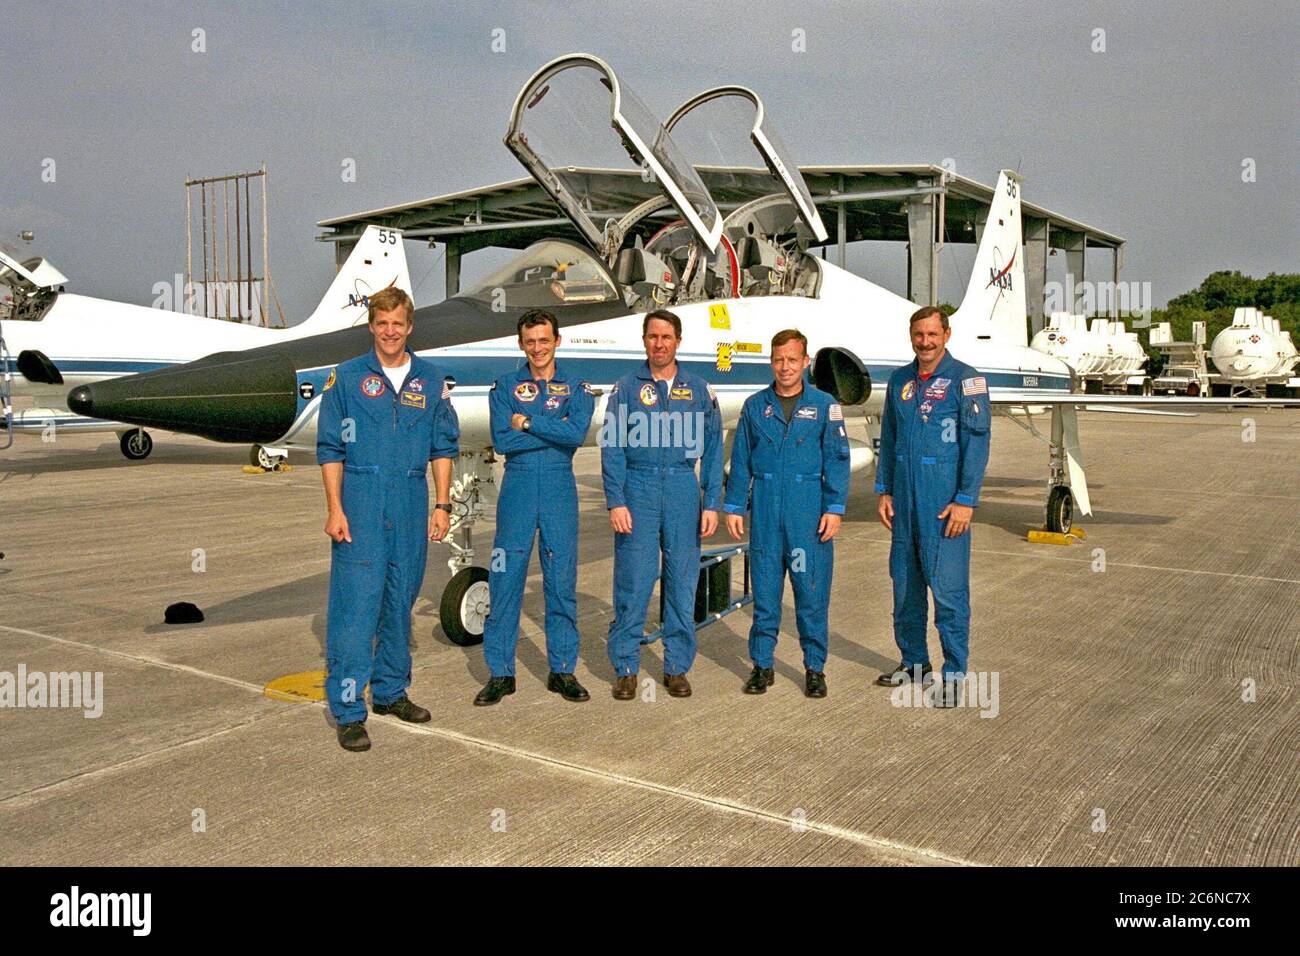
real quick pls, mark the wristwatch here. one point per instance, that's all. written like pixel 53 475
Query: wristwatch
pixel 441 507
pixel 528 422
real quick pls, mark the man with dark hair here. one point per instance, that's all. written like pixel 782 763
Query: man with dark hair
pixel 791 446
pixel 383 417
pixel 539 417
pixel 660 420
pixel 934 446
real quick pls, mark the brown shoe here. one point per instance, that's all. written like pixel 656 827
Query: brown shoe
pixel 625 687
pixel 678 685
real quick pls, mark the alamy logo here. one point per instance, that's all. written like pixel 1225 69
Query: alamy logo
pixel 103 909
pixel 72 689
pixel 642 429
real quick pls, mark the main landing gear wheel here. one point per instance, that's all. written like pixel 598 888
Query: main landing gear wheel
pixel 1060 510
pixel 259 456
pixel 465 606
pixel 136 444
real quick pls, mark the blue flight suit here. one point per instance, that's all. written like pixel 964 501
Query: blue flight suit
pixel 385 438
pixel 934 446
pixel 799 471
pixel 651 438
pixel 538 493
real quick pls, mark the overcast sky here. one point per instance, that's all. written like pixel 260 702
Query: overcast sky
pixel 1146 139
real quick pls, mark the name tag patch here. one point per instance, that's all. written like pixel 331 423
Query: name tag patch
pixel 808 413
pixel 938 388
pixel 682 393
pixel 414 399
pixel 557 388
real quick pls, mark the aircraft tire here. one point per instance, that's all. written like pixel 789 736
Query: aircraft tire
pixel 464 606
pixel 1060 510
pixel 135 444
pixel 259 456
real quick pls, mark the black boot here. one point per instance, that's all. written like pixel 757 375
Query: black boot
pixel 494 690
pixel 567 686
pixel 760 679
pixel 353 736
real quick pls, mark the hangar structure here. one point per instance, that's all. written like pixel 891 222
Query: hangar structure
pixel 923 205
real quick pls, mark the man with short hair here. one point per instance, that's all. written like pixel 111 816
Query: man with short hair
pixel 539 417
pixel 384 416
pixel 791 447
pixel 660 421
pixel 934 446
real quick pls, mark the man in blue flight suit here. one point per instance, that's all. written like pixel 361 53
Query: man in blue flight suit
pixel 660 420
pixel 384 416
pixel 539 418
pixel 791 446
pixel 934 446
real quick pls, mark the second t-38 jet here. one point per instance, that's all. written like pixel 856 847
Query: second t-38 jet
pixel 733 280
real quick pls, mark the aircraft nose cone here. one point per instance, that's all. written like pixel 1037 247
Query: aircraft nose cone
pixel 82 401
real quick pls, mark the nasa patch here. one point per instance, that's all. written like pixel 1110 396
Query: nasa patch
pixel 416 385
pixel 553 403
pixel 526 391
pixel 649 395
pixel 767 412
pixel 372 386
pixel 926 407
pixel 909 389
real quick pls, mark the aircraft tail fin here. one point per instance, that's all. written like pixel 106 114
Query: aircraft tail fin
pixel 994 304
pixel 378 260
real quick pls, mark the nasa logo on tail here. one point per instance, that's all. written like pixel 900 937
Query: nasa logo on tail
pixel 1000 275
pixel 360 296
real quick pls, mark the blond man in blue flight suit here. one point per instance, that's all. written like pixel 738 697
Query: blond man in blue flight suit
pixel 384 416
pixel 792 452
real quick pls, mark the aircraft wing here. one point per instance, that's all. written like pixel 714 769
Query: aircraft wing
pixel 1132 402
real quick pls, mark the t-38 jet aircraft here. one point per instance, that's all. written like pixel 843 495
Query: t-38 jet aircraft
pixel 58 339
pixel 734 281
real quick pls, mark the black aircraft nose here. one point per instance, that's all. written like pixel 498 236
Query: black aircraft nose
pixel 231 397
pixel 82 401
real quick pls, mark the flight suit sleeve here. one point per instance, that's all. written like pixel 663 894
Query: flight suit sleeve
pixel 570 430
pixel 973 441
pixel 738 480
pixel 445 442
pixel 613 457
pixel 888 439
pixel 835 462
pixel 507 440
pixel 329 425
pixel 711 463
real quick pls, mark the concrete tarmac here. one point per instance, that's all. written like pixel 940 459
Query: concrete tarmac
pixel 1147 710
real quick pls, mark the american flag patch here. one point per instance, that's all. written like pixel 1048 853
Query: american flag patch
pixel 447 385
pixel 974 386
pixel 835 413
